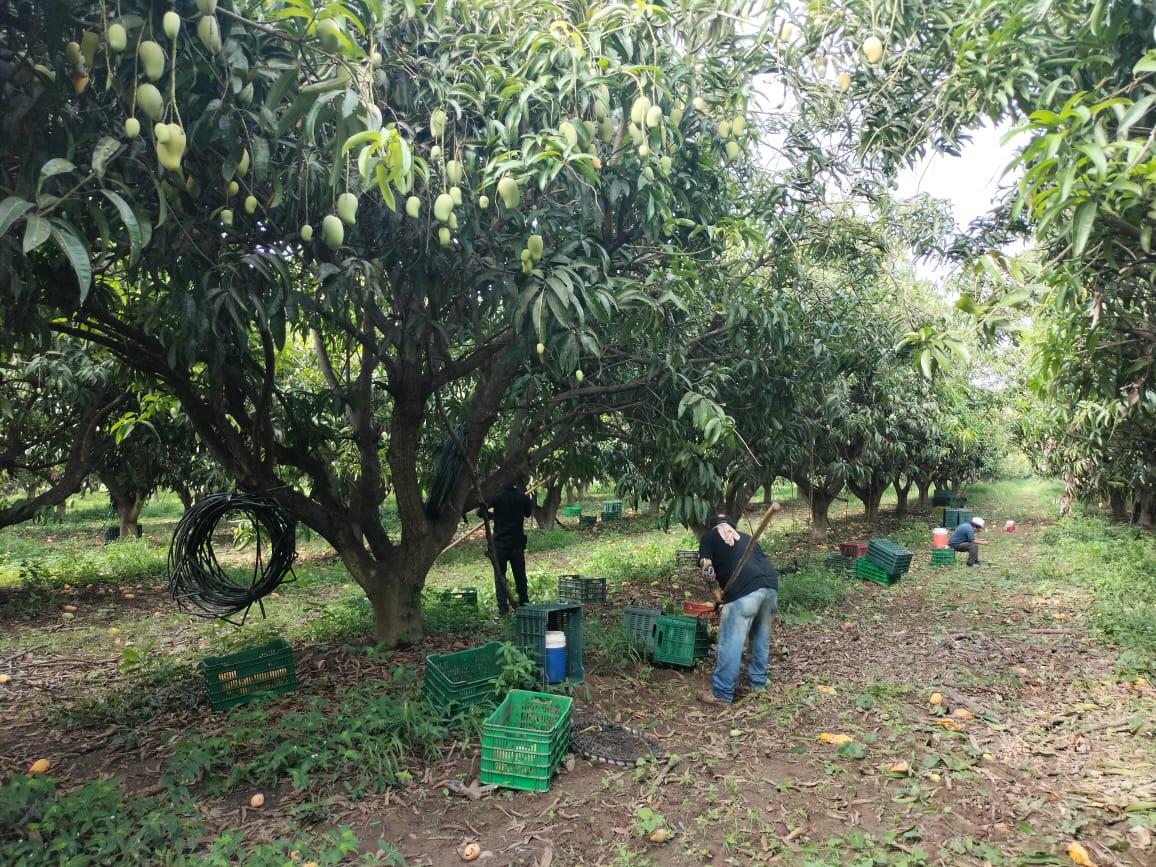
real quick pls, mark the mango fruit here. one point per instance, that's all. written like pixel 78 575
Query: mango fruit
pixel 152 59
pixel 332 231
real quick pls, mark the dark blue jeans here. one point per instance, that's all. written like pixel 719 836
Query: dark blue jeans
pixel 516 558
pixel 752 615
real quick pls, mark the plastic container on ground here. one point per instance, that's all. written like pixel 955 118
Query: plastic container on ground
pixel 697 609
pixel 867 570
pixel 853 549
pixel 680 641
pixel 1010 526
pixel 640 624
pixel 555 656
pixel 572 511
pixel 534 621
pixel 939 537
pixel 942 557
pixel 239 677
pixel 525 739
pixel 579 588
pixel 456 681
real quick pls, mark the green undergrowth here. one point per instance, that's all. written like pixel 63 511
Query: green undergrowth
pixel 810 591
pixel 99 823
pixel 1117 566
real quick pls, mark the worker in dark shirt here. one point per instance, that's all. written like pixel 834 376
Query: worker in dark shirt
pixel 964 540
pixel 509 510
pixel 748 606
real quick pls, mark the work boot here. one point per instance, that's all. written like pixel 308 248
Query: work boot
pixel 710 698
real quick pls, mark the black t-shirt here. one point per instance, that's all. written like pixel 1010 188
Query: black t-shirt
pixel 758 572
pixel 510 508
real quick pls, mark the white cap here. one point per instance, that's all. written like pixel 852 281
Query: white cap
pixel 979 522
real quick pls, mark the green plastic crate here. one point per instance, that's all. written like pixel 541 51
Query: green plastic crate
pixel 572 511
pixel 234 679
pixel 612 509
pixel 956 502
pixel 641 624
pixel 942 557
pixel 892 558
pixel 587 520
pixel 867 570
pixel 680 640
pixel 534 621
pixel 577 588
pixel 941 498
pixel 839 563
pixel 461 596
pixel 525 740
pixel 456 681
pixel 952 518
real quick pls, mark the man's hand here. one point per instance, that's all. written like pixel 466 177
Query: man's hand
pixel 707 569
pixel 717 598
pixel 776 507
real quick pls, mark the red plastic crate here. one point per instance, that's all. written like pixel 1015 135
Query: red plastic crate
pixel 697 609
pixel 853 549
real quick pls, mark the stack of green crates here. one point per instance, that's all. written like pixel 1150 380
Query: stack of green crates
pixel 942 557
pixel 578 588
pixel 456 681
pixel 893 559
pixel 952 518
pixel 640 624
pixel 534 621
pixel 680 640
pixel 572 511
pixel 525 740
pixel 234 679
pixel 611 510
pixel 867 570
pixel 941 498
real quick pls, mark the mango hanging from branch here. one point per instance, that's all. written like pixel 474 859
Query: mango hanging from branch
pixel 347 208
pixel 332 231
pixel 508 190
pixel 171 24
pixel 209 32
pixel 152 59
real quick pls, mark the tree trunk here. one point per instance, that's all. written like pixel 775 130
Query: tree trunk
pixel 1069 496
pixel 869 495
pixel 546 511
pixel 901 492
pixel 185 495
pixel 583 490
pixel 570 498
pixel 1119 506
pixel 769 492
pixel 654 506
pixel 395 594
pixel 127 503
pixel 820 523
pixel 738 498
pixel 924 486
pixel 956 487
pixel 1147 509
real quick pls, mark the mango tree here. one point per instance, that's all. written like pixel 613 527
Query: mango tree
pixel 433 200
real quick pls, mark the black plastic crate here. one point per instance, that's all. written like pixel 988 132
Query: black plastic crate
pixel 534 621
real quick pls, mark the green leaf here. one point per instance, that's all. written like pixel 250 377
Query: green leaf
pixel 11 210
pixel 130 222
pixel 57 166
pixel 105 149
pixel 1082 226
pixel 852 750
pixel 75 250
pixel 36 232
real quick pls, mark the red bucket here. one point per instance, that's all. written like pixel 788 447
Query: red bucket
pixel 1010 526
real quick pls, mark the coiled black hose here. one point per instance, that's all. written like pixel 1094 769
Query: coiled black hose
pixel 197 581
pixel 450 467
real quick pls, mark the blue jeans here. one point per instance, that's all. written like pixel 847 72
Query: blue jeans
pixel 751 614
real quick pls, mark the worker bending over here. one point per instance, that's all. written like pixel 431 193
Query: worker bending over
pixel 748 606
pixel 963 540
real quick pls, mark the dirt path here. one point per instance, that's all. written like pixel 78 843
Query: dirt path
pixel 1035 744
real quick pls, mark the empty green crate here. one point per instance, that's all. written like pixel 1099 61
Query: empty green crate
pixel 942 557
pixel 577 588
pixel 572 511
pixel 839 563
pixel 587 520
pixel 534 621
pixel 867 570
pixel 952 518
pixel 456 681
pixel 680 640
pixel 461 596
pixel 640 624
pixel 234 679
pixel 525 740
pixel 612 509
pixel 941 498
pixel 892 558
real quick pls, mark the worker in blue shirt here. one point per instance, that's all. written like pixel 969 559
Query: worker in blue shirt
pixel 963 540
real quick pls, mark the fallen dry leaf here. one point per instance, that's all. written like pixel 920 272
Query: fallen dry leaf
pixel 1139 837
pixel 1139 683
pixel 963 713
pixel 835 740
pixel 1080 855
pixel 827 690
pixel 949 724
pixel 899 768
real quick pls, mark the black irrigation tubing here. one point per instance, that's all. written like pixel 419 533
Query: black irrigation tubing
pixel 449 472
pixel 197 581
